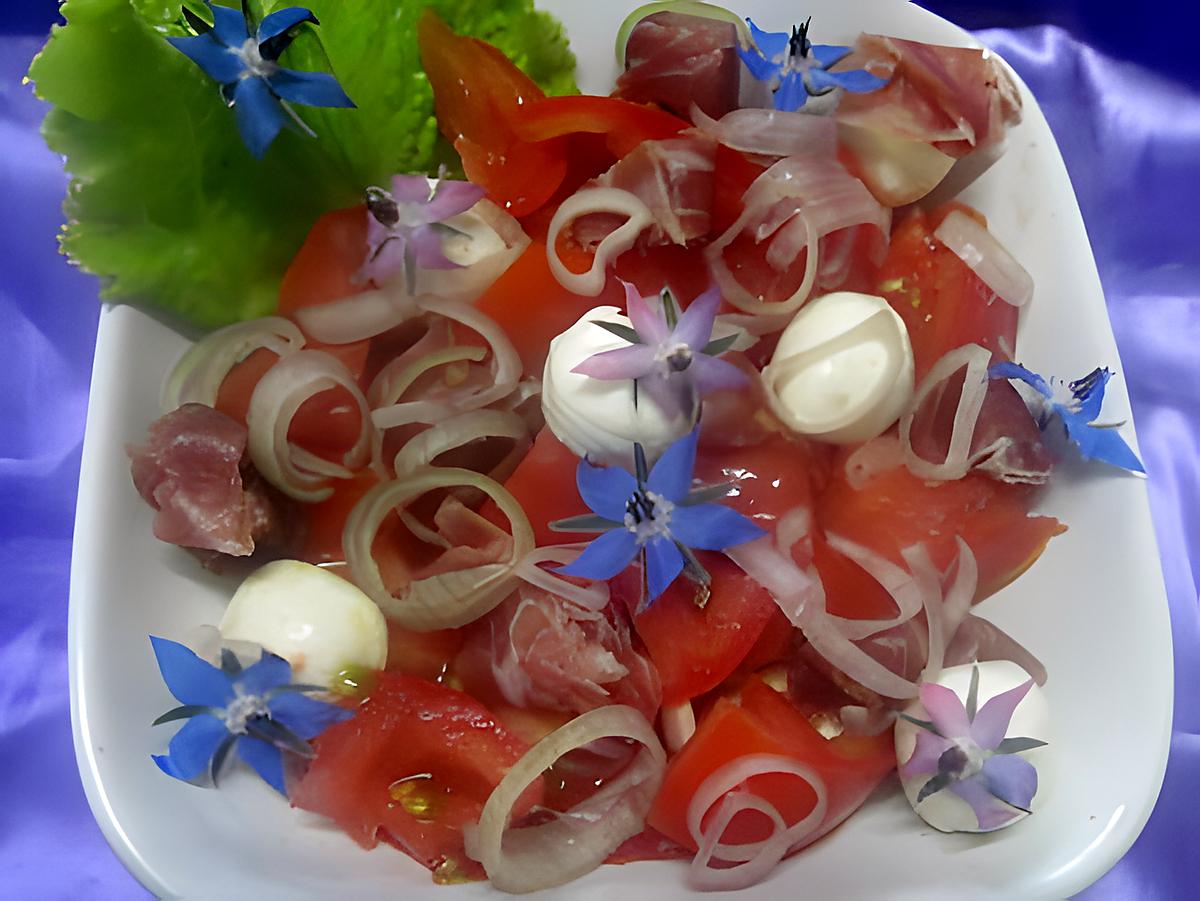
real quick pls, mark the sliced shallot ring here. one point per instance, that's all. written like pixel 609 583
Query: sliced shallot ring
pixel 959 458
pixel 578 841
pixel 880 454
pixel 734 773
pixel 956 605
pixel 423 449
pixel 678 724
pixel 905 589
pixel 733 290
pixel 198 375
pixel 358 316
pixel 585 202
pixel 593 597
pixel 277 397
pixel 794 589
pixel 703 877
pixel 392 414
pixel 926 575
pixel 446 600
pixel 771 132
pixel 843 654
pixel 986 257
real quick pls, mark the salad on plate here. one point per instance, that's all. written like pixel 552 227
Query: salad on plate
pixel 605 477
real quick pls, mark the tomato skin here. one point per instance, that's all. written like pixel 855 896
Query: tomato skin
pixel 624 124
pixel 759 720
pixel 942 302
pixel 408 727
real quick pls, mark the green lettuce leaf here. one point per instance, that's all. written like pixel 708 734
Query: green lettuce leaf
pixel 168 206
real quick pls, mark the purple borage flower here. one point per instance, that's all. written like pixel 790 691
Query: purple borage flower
pixel 1076 405
pixel 657 516
pixel 247 68
pixel 671 355
pixel 796 68
pixel 405 227
pixel 254 708
pixel 966 752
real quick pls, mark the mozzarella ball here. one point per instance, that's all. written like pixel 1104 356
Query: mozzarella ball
pixel 320 623
pixel 594 417
pixel 843 369
pixel 944 810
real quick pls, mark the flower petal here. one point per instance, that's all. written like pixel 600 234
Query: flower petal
pixel 696 322
pixel 305 716
pixel 283 19
pixel 216 60
pixel 386 265
pixel 925 755
pixel 309 88
pixel 711 374
pixel 772 44
pixel 271 671
pixel 190 679
pixel 228 25
pixel 990 812
pixel 664 563
pixel 266 759
pixel 792 93
pixel 992 721
pixel 632 362
pixel 410 189
pixel 451 198
pixel 427 250
pixel 945 710
pixel 674 394
pixel 712 527
pixel 1012 779
pixel 605 489
pixel 192 747
pixel 650 326
pixel 1089 392
pixel 1103 444
pixel 604 557
pixel 259 115
pixel 1015 371
pixel 672 474
pixel 857 81
pixel 828 55
pixel 760 67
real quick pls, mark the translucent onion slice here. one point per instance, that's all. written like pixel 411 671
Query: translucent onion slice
pixel 959 458
pixel 281 391
pixel 794 590
pixel 897 170
pixel 733 291
pixel 927 576
pixel 956 606
pixel 593 597
pixel 389 386
pixel 578 841
pixel 446 600
pixel 198 375
pixel 827 640
pixel 756 858
pixel 457 431
pixel 906 590
pixel 986 257
pixel 586 202
pixel 878 455
pixel 771 132
pixel 678 725
pixel 357 317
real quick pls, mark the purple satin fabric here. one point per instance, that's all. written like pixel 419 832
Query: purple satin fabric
pixel 1131 140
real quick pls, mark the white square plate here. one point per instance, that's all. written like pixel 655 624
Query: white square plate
pixel 1093 609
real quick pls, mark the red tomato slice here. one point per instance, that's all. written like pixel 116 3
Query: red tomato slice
pixel 761 721
pixel 624 124
pixel 544 485
pixel 414 766
pixel 942 302
pixel 895 509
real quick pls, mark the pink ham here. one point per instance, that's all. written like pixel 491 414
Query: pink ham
pixel 675 60
pixel 549 654
pixel 191 471
pixel 954 98
pixel 673 177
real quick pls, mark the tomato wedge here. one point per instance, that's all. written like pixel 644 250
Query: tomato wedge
pixel 413 767
pixel 759 720
pixel 942 302
pixel 624 124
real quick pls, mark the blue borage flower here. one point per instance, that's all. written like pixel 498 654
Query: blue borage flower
pixel 966 751
pixel 656 515
pixel 256 709
pixel 796 68
pixel 247 68
pixel 1076 405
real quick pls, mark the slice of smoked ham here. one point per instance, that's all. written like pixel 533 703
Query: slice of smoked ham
pixel 675 60
pixel 673 178
pixel 190 470
pixel 955 98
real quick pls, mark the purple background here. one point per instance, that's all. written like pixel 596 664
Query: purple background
pixel 1123 98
